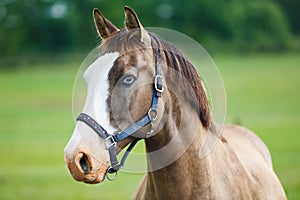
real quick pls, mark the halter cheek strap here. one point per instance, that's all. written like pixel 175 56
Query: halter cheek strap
pixel 110 141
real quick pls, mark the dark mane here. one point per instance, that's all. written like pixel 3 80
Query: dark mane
pixel 179 62
pixel 125 41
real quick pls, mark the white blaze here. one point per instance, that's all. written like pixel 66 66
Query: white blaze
pixel 96 77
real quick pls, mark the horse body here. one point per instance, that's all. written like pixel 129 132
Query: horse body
pixel 238 167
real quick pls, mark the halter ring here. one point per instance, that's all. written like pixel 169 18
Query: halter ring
pixel 152 114
pixel 113 177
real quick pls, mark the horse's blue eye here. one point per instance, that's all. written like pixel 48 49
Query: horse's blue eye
pixel 129 80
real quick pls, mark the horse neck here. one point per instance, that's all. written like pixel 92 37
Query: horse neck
pixel 184 144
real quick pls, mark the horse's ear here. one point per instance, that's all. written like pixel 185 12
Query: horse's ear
pixel 133 22
pixel 131 19
pixel 104 27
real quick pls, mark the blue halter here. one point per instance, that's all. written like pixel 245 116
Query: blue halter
pixel 110 141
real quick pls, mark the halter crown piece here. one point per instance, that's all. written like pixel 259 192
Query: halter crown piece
pixel 110 141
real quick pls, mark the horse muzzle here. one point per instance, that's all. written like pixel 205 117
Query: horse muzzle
pixel 85 168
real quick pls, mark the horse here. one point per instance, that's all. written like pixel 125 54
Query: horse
pixel 132 97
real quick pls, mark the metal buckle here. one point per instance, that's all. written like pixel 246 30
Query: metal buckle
pixel 158 83
pixel 109 142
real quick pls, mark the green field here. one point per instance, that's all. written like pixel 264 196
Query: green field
pixel 36 123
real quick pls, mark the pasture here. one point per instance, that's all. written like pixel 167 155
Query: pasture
pixel 36 123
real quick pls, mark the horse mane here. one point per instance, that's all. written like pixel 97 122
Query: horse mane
pixel 125 41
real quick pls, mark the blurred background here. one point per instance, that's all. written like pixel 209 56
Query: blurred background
pixel 255 44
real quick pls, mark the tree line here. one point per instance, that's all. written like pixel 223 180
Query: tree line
pixel 35 26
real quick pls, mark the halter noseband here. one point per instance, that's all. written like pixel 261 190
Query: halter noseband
pixel 110 141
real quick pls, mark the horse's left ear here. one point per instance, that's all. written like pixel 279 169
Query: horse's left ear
pixel 133 22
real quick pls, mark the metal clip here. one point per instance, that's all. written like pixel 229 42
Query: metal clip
pixel 109 142
pixel 152 114
pixel 150 132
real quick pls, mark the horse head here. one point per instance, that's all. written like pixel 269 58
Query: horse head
pixel 125 100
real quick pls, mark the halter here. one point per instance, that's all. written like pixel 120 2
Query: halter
pixel 110 141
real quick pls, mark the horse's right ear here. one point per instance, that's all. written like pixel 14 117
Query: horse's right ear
pixel 104 27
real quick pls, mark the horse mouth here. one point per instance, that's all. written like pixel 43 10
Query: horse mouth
pixel 98 179
pixel 91 178
pixel 96 176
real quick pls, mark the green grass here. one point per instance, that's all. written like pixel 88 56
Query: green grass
pixel 36 123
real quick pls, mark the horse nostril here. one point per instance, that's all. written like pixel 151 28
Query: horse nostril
pixel 84 164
